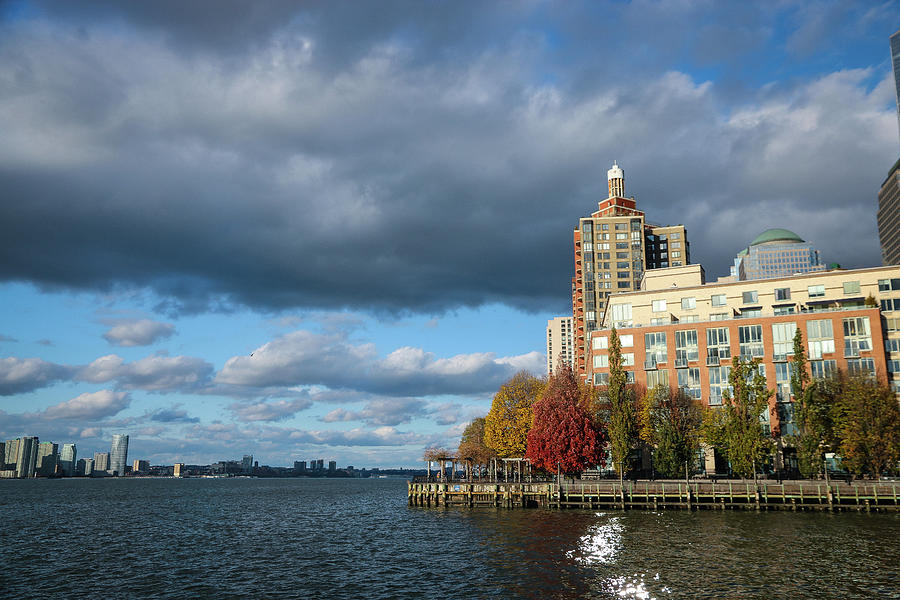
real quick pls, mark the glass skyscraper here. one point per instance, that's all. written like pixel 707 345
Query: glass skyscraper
pixel 118 454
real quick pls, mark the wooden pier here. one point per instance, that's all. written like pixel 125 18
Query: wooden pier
pixel 659 495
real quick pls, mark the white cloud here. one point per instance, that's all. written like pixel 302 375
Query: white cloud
pixel 91 405
pixel 19 375
pixel 152 373
pixel 138 332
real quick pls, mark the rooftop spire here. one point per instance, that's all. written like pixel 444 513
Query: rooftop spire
pixel 616 178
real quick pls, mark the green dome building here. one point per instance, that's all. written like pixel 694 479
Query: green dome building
pixel 776 253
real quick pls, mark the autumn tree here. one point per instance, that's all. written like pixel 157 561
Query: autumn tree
pixel 867 423
pixel 471 445
pixel 812 418
pixel 736 428
pixel 562 434
pixel 506 425
pixel 622 428
pixel 670 422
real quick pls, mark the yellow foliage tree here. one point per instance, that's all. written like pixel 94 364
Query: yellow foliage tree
pixel 509 420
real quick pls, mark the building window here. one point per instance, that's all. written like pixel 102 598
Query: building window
pixel 892 345
pixel 690 319
pixel 628 359
pixel 821 369
pixel 751 344
pixel 783 381
pixel 656 349
pixel 676 245
pixel 890 304
pixel 601 361
pixel 861 366
pixel 749 297
pixel 600 342
pixel 601 378
pixel 784 310
pixel 717 345
pixel 621 226
pixel 893 366
pixel 685 346
pixel 851 287
pixel 675 236
pixel 623 275
pixel 689 303
pixel 718 300
pixel 857 335
pixel 626 341
pixel 621 314
pixel 887 285
pixel 655 378
pixel 820 338
pixel 751 312
pixel 783 339
pixel 675 254
pixel 621 236
pixel 718 384
pixel 689 381
pixel 816 291
pixel 659 306
pixel 892 324
pixel 624 285
pixel 719 316
pixel 782 293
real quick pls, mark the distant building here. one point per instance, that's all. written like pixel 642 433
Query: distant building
pixel 68 460
pixel 559 343
pixel 87 468
pixel 614 246
pixel 10 454
pixel 895 63
pixel 47 459
pixel 332 466
pixel 26 459
pixel 300 466
pixel 776 253
pixel 889 216
pixel 247 464
pixel 178 471
pixel 101 463
pixel 141 466
pixel 118 455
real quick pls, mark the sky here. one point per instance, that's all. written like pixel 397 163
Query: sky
pixel 333 230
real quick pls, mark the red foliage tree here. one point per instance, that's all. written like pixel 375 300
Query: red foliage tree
pixel 563 432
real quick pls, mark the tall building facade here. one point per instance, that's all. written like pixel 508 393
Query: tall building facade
pixel 895 64
pixel 889 217
pixel 47 459
pixel 559 343
pixel 26 458
pixel 118 454
pixel 776 253
pixel 614 247
pixel 681 332
pixel 101 463
pixel 68 460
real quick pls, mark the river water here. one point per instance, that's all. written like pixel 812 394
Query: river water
pixel 340 538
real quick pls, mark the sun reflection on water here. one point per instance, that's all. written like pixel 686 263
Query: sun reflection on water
pixel 600 544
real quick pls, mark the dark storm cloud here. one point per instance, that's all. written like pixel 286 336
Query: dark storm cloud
pixel 407 156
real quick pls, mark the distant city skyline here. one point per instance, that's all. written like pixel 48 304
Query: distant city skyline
pixel 296 230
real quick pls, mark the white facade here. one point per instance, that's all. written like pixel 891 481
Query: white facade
pixel 118 454
pixel 559 343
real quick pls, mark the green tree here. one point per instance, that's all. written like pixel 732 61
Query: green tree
pixel 562 433
pixel 506 425
pixel 622 428
pixel 867 423
pixel 670 422
pixel 736 428
pixel 808 436
pixel 472 447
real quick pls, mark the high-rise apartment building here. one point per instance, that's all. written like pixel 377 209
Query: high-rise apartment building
pixel 26 459
pixel 776 253
pixel 68 460
pixel 895 64
pixel 140 466
pixel 889 217
pixel 681 332
pixel 559 343
pixel 247 464
pixel 101 463
pixel 118 455
pixel 47 459
pixel 614 246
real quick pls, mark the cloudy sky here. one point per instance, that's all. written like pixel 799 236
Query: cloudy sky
pixel 331 230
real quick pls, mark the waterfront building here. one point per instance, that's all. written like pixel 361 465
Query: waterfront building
pixel 101 463
pixel 332 466
pixel 776 253
pixel 682 332
pixel 88 469
pixel 614 247
pixel 10 453
pixel 178 470
pixel 300 466
pixel 26 458
pixel 47 459
pixel 889 217
pixel 559 343
pixel 118 455
pixel 140 466
pixel 68 460
pixel 247 464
